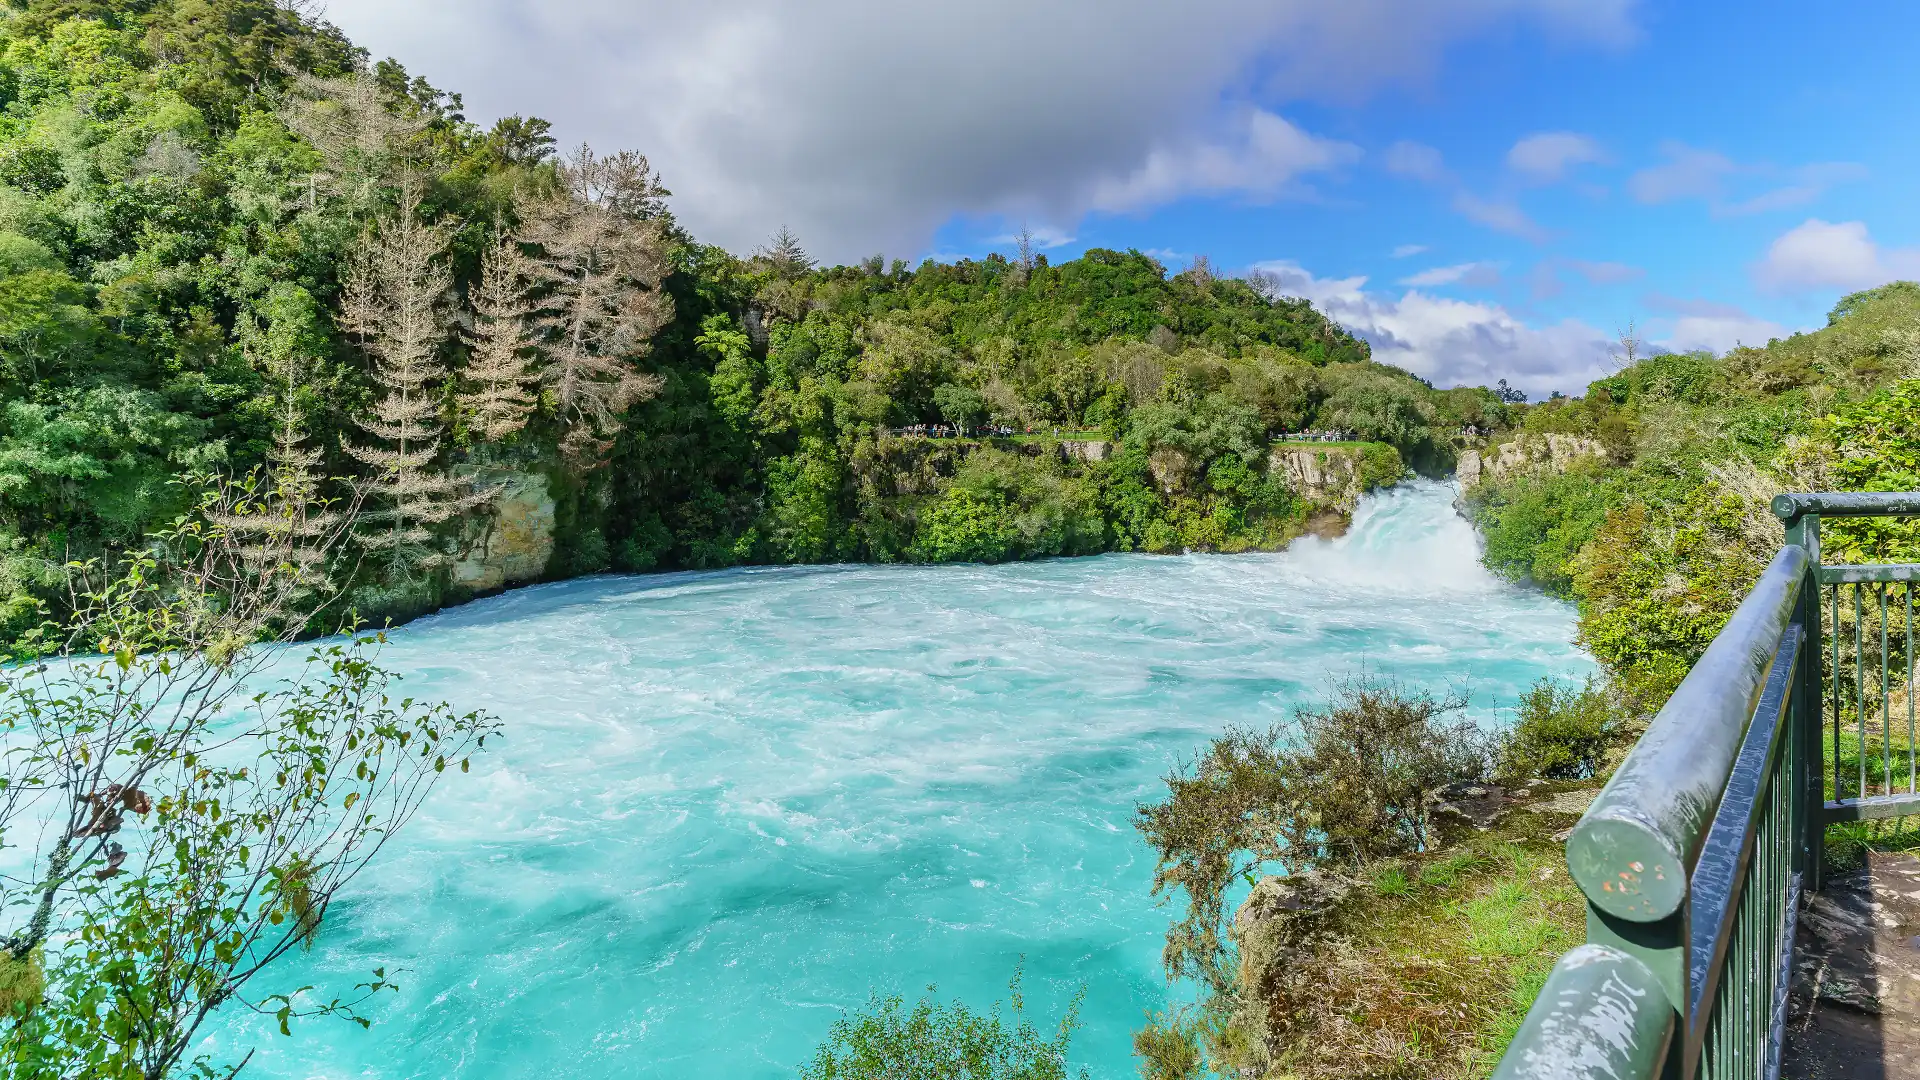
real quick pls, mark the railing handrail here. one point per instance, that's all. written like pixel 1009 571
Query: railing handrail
pixel 1847 504
pixel 1601 1016
pixel 1634 851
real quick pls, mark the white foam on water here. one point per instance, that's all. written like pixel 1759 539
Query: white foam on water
pixel 731 804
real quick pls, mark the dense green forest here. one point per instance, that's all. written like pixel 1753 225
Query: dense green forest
pixel 1659 537
pixel 228 242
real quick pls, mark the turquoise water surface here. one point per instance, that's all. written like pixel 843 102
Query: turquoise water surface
pixel 730 805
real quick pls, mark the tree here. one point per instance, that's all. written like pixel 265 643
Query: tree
pixel 196 801
pixel 1509 395
pixel 365 137
pixel 1025 247
pixel 785 255
pixel 1626 349
pixel 521 140
pixel 505 337
pixel 601 260
pixel 397 302
pixel 1334 786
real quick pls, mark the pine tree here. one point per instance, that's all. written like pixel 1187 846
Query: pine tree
pixel 785 254
pixel 602 258
pixel 276 531
pixel 397 302
pixel 364 136
pixel 505 337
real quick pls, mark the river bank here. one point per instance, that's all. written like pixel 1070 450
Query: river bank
pixel 732 803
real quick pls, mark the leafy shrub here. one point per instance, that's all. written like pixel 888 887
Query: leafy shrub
pixel 1168 1050
pixel 1380 466
pixel 885 1041
pixel 1343 784
pixel 1563 732
pixel 966 526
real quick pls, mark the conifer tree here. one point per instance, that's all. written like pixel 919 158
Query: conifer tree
pixel 785 254
pixel 397 302
pixel 602 258
pixel 505 337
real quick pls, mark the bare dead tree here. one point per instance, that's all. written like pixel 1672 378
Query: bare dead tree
pixel 1025 246
pixel 364 137
pixel 1267 285
pixel 1626 348
pixel 397 301
pixel 279 520
pixel 1201 271
pixel 505 337
pixel 601 260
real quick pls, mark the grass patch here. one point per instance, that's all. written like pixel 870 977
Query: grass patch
pixel 1392 881
pixel 1428 967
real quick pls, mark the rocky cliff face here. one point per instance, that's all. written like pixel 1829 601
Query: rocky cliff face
pixel 517 542
pixel 1329 479
pixel 1526 453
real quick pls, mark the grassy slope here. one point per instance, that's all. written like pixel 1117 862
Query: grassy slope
pixel 1428 966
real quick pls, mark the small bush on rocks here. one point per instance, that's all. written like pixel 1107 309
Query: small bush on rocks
pixel 1564 732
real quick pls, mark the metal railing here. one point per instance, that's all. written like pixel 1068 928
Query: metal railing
pixel 1696 854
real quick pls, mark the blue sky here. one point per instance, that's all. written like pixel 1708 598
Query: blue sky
pixel 1484 188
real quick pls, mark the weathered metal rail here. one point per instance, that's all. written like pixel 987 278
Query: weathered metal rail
pixel 1696 855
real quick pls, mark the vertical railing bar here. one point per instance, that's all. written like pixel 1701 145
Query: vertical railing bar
pixel 1835 604
pixel 1860 684
pixel 1886 724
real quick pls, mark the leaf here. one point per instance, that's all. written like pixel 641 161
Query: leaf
pixel 352 797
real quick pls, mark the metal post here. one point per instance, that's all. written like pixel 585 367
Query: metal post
pixel 1809 766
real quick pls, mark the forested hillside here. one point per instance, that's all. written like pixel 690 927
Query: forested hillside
pixel 228 242
pixel 1660 537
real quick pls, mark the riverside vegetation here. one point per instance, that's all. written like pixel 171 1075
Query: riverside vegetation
pixel 1394 951
pixel 279 328
pixel 280 333
pixel 227 240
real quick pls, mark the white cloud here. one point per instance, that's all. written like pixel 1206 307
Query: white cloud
pixel 1501 215
pixel 1456 342
pixel 1546 157
pixel 1687 173
pixel 1046 236
pixel 1690 173
pixel 1604 273
pixel 1416 161
pixel 1408 251
pixel 1819 254
pixel 1700 324
pixel 1259 158
pixel 1474 274
pixel 865 124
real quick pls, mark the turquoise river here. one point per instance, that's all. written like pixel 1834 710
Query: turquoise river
pixel 730 805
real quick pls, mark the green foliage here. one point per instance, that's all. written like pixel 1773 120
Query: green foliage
pixel 1337 786
pixel 1563 732
pixel 173 860
pixel 1660 540
pixel 1536 524
pixel 935 1041
pixel 966 526
pixel 1169 1050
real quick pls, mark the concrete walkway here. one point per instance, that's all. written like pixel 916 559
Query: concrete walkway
pixel 1855 1006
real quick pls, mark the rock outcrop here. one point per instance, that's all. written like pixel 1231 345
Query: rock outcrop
pixel 1325 478
pixel 1086 449
pixel 1526 453
pixel 518 541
